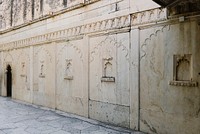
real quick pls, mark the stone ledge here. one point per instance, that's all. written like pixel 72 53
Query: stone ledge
pixel 23 75
pixel 184 83
pixel 108 79
pixel 68 78
pixel 42 76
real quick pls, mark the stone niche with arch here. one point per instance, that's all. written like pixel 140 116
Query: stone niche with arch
pixel 68 70
pixel 182 71
pixel 107 70
pixel 23 69
pixel 42 69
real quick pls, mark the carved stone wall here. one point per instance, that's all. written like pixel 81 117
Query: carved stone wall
pixel 120 62
pixel 169 78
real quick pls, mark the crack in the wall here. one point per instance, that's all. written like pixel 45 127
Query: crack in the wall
pixel 152 129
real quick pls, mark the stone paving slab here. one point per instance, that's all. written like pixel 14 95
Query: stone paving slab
pixel 20 118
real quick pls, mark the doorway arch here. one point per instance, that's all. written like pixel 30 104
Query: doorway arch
pixel 9 80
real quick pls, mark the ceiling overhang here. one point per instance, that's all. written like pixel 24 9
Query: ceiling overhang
pixel 176 7
pixel 167 3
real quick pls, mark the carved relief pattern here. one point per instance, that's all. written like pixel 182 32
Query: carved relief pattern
pixel 112 41
pixel 45 51
pixel 149 16
pixel 77 49
pixel 109 24
pixel 143 46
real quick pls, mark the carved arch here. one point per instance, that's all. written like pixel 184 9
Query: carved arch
pixel 7 56
pixel 42 48
pixel 149 38
pixel 113 42
pixel 77 50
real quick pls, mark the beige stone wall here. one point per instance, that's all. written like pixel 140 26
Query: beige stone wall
pixel 109 78
pixel 72 76
pixel 121 62
pixel 170 108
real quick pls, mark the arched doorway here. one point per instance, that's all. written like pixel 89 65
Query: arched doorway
pixel 9 81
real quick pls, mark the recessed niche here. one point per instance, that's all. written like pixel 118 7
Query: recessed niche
pixel 182 71
pixel 41 69
pixel 23 69
pixel 107 70
pixel 68 70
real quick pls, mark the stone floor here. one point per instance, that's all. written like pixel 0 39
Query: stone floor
pixel 20 118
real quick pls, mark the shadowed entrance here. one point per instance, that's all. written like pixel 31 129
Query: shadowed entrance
pixel 9 81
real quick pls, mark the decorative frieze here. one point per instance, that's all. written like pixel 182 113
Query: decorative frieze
pixel 116 23
pixel 149 16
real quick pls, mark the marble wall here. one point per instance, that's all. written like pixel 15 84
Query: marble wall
pixel 120 62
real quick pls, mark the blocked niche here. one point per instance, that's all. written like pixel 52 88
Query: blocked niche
pixel 182 71
pixel 68 70
pixel 107 70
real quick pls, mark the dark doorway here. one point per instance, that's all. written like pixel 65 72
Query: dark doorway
pixel 9 81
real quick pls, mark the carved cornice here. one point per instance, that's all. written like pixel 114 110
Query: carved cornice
pixel 66 34
pixel 150 16
pixel 117 23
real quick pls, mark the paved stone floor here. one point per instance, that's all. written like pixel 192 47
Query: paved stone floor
pixel 20 118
